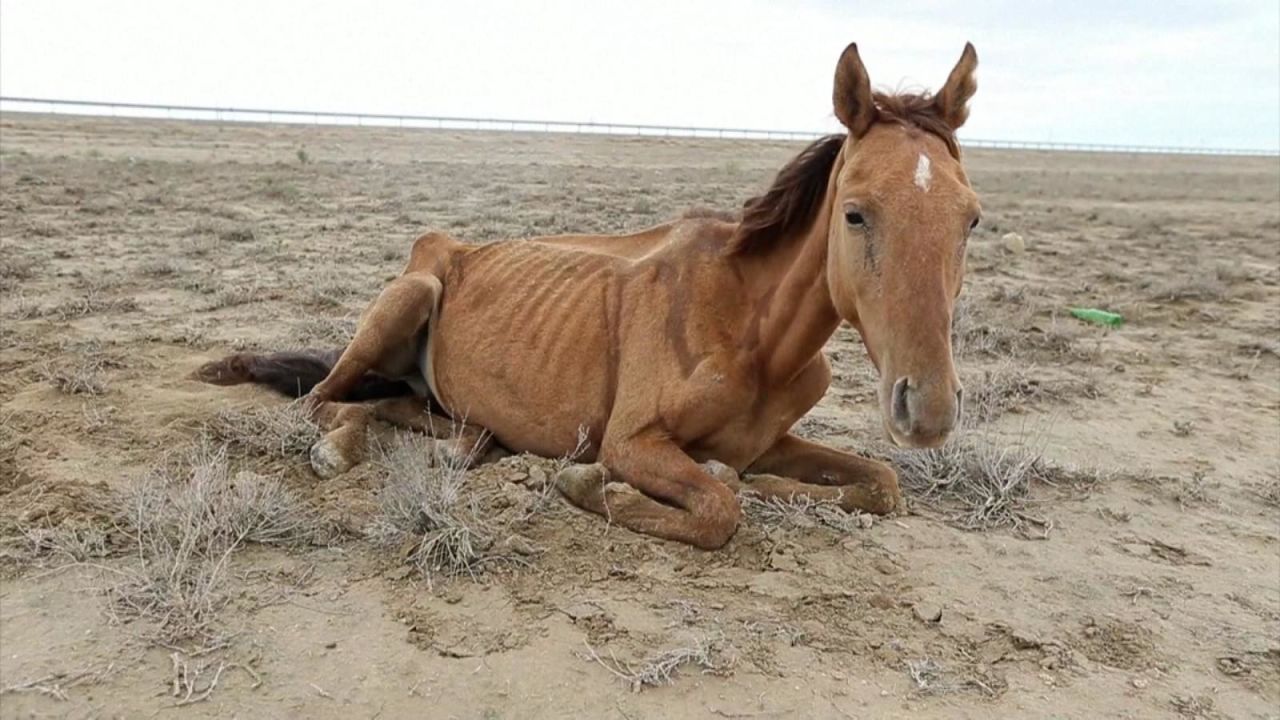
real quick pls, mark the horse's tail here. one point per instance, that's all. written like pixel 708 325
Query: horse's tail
pixel 294 373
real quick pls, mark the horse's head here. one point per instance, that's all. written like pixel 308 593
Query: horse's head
pixel 903 210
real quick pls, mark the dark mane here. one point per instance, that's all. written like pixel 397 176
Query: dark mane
pixel 792 201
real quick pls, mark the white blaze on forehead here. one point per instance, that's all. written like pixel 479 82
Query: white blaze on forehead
pixel 924 175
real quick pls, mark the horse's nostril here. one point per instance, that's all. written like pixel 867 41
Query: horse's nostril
pixel 901 411
pixel 959 404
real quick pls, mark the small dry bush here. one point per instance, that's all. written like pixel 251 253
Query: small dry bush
pixel 74 542
pixel 429 511
pixel 979 481
pixel 1268 489
pixel 14 266
pixel 162 267
pixel 801 512
pixel 232 293
pixel 331 289
pixel 93 302
pixel 1005 386
pixel 279 430
pixel 930 677
pixel 185 520
pixel 710 653
pixel 334 331
pixel 1204 287
pixel 83 377
pixel 1018 335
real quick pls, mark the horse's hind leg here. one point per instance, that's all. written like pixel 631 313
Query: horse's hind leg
pixel 386 340
pixel 386 336
pixel 461 444
pixel 342 446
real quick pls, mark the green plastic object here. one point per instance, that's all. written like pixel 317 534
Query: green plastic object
pixel 1098 317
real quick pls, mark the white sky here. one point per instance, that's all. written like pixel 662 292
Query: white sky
pixel 1163 72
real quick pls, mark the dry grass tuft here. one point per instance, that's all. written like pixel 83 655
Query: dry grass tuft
pixel 331 289
pixel 185 520
pixel 928 677
pixel 1017 335
pixel 83 377
pixel 711 653
pixel 428 511
pixel 1005 386
pixel 14 266
pixel 230 294
pixel 74 542
pixel 979 481
pixel 801 512
pixel 57 684
pixel 278 430
pixel 323 329
pixel 1200 287
pixel 1269 489
pixel 93 302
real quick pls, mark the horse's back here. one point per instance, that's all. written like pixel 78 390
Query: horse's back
pixel 529 336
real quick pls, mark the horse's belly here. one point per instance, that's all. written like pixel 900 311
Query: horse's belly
pixel 535 374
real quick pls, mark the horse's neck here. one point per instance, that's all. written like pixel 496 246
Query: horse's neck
pixel 798 316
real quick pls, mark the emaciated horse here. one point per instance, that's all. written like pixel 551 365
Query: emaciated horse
pixel 697 340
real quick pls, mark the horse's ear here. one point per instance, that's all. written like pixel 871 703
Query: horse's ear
pixel 852 97
pixel 952 100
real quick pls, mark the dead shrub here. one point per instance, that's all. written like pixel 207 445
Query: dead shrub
pixel 429 511
pixel 93 302
pixel 185 519
pixel 710 653
pixel 978 481
pixel 85 376
pixel 331 289
pixel 285 430
pixel 801 512
pixel 1200 287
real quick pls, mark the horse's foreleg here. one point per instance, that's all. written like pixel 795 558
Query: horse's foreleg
pixel 461 444
pixel 857 483
pixel 634 475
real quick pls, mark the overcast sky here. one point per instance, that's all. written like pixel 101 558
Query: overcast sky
pixel 1203 72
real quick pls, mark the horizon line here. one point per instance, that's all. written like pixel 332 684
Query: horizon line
pixel 585 126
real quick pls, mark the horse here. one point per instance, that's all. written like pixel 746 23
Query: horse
pixel 676 360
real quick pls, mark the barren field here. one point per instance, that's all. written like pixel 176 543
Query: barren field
pixel 1102 540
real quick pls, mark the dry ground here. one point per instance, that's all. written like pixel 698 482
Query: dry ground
pixel 160 535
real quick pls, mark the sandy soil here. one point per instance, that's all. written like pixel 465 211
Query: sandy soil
pixel 1140 577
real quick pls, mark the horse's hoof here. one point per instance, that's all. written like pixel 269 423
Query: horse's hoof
pixel 577 482
pixel 723 473
pixel 327 459
pixel 455 453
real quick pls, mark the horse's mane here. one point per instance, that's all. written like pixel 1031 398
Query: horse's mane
pixel 791 203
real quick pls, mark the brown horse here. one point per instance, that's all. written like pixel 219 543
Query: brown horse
pixel 697 340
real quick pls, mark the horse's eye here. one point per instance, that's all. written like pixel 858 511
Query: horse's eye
pixel 854 218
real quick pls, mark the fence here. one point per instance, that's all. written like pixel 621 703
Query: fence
pixel 232 114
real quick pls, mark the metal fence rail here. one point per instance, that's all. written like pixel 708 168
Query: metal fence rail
pixel 234 114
